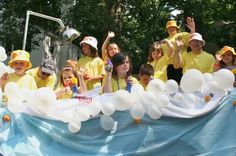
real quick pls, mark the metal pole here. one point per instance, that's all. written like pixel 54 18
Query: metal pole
pixel 26 30
pixel 48 17
pixel 42 16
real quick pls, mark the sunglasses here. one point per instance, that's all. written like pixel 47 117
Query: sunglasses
pixel 45 74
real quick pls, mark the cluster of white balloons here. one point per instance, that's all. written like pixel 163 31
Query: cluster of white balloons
pixel 40 101
pixel 158 96
pixel 193 80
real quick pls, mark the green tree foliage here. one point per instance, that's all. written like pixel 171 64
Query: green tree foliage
pixel 137 23
pixel 13 21
pixel 214 19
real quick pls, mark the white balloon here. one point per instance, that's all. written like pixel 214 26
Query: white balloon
pixel 211 87
pixel 148 99
pixel 14 105
pixel 107 106
pixel 94 108
pixel 137 90
pixel 122 100
pixel 154 112
pixel 178 99
pixel 44 98
pixel 3 55
pixel 137 111
pixel 74 127
pixel 192 80
pixel 207 77
pixel 171 86
pixel 190 100
pixel 163 100
pixel 107 122
pixel 224 78
pixel 156 86
pixel 46 95
pixel 81 114
pixel 12 90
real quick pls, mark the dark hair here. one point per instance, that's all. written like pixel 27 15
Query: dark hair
pixel 93 51
pixel 119 59
pixel 146 69
pixel 154 46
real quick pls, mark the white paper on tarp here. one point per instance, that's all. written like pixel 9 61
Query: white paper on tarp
pixel 203 108
pixel 67 107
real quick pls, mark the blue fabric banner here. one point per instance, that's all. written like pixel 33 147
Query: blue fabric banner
pixel 211 134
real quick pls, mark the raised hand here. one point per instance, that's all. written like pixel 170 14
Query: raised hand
pixel 110 34
pixel 190 24
pixel 179 42
pixel 218 57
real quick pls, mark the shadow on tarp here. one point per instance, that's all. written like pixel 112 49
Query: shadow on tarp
pixel 211 134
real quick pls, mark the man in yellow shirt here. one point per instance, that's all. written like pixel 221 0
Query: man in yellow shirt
pixel 44 75
pixel 197 58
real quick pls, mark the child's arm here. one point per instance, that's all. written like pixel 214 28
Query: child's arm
pixel 170 51
pixel 191 24
pixel 218 59
pixel 3 80
pixel 105 43
pixel 107 88
pixel 82 84
pixel 177 56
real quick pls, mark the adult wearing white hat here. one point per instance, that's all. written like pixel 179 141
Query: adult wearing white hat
pixel 195 59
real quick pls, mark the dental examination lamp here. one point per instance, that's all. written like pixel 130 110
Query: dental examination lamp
pixel 68 34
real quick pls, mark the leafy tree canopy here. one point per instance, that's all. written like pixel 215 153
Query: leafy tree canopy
pixel 136 23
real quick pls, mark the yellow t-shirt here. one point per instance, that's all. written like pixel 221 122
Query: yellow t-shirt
pixel 49 82
pixel 185 37
pixel 25 81
pixel 204 62
pixel 121 83
pixel 94 66
pixel 160 68
pixel 67 95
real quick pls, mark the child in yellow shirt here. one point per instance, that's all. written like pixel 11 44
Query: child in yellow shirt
pixel 20 62
pixel 158 61
pixel 225 59
pixel 109 49
pixel 119 76
pixel 91 62
pixel 70 78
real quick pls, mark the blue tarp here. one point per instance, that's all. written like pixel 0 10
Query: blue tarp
pixel 211 134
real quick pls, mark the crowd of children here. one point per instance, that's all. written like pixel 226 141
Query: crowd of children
pixel 167 59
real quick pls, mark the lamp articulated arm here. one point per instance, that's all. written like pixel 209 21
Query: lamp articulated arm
pixel 42 16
